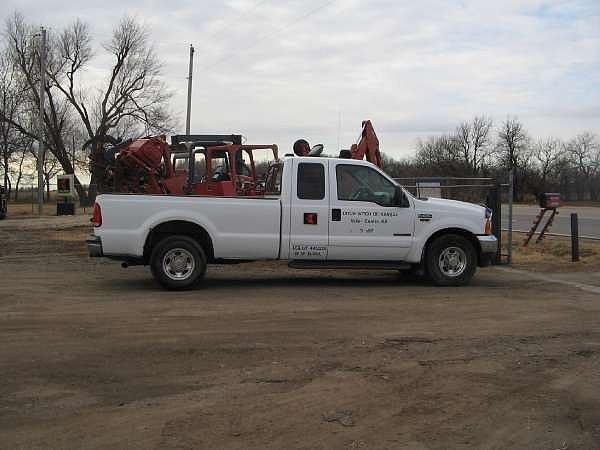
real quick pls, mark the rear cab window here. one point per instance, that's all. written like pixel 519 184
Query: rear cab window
pixel 311 181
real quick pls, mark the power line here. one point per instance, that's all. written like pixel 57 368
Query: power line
pixel 236 19
pixel 266 36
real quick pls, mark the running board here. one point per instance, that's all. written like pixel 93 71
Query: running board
pixel 315 264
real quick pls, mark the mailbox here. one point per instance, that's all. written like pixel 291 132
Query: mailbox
pixel 550 200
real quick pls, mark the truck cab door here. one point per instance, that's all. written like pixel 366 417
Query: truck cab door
pixel 371 218
pixel 309 212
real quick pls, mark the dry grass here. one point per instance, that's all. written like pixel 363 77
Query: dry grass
pixel 554 254
pixel 22 210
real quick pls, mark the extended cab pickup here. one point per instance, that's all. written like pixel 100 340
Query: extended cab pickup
pixel 318 212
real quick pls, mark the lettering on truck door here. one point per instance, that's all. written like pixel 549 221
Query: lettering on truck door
pixel 367 219
pixel 309 233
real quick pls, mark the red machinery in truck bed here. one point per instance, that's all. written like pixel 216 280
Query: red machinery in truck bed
pixel 195 164
pixel 217 165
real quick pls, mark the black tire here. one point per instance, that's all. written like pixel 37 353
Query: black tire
pixel 174 253
pixel 450 260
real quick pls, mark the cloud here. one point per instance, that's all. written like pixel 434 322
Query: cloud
pixel 280 70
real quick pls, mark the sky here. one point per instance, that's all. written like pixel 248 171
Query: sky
pixel 279 70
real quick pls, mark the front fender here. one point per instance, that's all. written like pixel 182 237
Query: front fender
pixel 424 231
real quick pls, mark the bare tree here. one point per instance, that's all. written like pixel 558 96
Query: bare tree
pixel 514 151
pixel 50 168
pixel 547 153
pixel 473 141
pixel 23 160
pixel 583 151
pixel 134 99
pixel 10 97
pixel 512 143
pixel 595 179
pixel 24 51
pixel 440 153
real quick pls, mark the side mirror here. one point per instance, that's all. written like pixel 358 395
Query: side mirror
pixel 401 200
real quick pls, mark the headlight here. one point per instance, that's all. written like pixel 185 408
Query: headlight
pixel 488 221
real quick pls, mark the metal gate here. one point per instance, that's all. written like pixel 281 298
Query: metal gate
pixel 483 191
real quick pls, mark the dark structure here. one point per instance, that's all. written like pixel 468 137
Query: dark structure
pixel 3 202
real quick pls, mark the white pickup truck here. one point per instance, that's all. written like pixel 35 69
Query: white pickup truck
pixel 317 213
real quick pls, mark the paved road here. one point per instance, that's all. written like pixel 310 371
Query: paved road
pixel 589 219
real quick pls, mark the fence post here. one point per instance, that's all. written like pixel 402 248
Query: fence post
pixel 510 214
pixel 494 202
pixel 574 237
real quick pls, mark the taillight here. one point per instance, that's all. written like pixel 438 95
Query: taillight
pixel 97 218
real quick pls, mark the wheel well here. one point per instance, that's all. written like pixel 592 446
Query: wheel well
pixel 467 234
pixel 182 227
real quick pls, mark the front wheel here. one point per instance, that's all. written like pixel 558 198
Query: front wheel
pixel 178 262
pixel 451 260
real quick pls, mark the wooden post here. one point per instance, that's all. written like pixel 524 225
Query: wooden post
pixel 574 237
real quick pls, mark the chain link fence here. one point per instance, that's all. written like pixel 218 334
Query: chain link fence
pixel 25 200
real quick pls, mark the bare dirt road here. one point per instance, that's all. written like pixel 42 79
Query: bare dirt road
pixel 263 357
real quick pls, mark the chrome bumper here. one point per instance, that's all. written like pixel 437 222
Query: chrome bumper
pixel 488 243
pixel 94 245
pixel 489 250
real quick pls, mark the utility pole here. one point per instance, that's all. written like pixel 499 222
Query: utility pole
pixel 189 94
pixel 40 159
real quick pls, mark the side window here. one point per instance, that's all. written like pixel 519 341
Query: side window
pixel 311 181
pixel 243 163
pixel 220 166
pixel 363 184
pixel 180 163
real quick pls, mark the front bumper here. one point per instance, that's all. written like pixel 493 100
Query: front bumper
pixel 489 249
pixel 94 245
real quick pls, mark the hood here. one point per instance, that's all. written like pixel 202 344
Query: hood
pixel 443 204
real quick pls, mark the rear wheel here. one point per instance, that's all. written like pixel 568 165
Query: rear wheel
pixel 451 260
pixel 178 262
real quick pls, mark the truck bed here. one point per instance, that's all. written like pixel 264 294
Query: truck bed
pixel 129 218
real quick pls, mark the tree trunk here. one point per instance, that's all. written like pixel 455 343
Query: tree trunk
pixel 47 177
pixel 6 177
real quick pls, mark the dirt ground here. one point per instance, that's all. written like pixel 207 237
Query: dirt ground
pixel 264 357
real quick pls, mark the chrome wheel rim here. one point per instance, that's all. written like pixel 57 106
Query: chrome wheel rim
pixel 452 261
pixel 178 264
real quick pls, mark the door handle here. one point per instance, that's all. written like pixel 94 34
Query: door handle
pixel 336 215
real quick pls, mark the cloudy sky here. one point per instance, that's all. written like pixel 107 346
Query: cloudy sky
pixel 277 70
